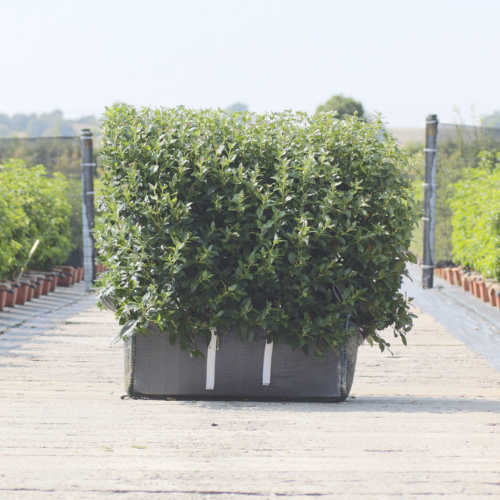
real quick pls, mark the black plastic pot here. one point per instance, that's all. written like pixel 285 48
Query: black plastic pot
pixel 234 370
pixel 155 369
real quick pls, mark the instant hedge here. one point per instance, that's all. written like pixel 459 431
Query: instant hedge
pixel 281 224
pixel 476 217
pixel 34 206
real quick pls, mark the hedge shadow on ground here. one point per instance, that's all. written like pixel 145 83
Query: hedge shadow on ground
pixel 362 404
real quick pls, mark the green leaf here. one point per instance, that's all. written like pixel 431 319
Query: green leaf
pixel 246 305
pixel 128 329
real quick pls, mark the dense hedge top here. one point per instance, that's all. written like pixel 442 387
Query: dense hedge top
pixel 283 222
pixel 33 206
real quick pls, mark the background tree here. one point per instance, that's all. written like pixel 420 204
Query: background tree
pixel 492 120
pixel 343 105
pixel 237 106
pixel 45 125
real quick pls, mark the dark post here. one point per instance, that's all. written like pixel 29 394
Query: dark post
pixel 88 208
pixel 430 150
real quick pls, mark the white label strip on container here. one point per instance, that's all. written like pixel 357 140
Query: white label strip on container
pixel 266 371
pixel 212 350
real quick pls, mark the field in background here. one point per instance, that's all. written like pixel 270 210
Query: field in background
pixel 407 136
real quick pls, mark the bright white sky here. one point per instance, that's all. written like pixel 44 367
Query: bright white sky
pixel 404 58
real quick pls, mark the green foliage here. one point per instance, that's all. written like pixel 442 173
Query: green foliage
pixel 344 106
pixel 35 207
pixel 417 244
pixel 55 154
pixel 458 150
pixel 14 231
pixel 281 222
pixel 476 217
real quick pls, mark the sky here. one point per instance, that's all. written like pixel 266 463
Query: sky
pixel 403 58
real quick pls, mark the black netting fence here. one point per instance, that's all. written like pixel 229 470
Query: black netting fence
pixel 458 148
pixel 56 154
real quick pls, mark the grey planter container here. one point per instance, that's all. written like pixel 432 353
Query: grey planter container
pixel 155 369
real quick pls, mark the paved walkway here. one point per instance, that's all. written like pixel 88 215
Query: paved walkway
pixel 424 423
pixel 60 298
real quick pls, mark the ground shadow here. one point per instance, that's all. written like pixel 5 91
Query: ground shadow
pixel 375 404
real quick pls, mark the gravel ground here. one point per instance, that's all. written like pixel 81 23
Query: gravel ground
pixel 424 423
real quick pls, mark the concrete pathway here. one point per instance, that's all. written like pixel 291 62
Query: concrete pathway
pixel 424 423
pixel 60 298
pixel 469 319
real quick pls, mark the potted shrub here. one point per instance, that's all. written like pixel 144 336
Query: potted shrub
pixel 3 296
pixel 493 289
pixel 247 254
pixel 45 281
pixel 478 284
pixel 30 288
pixel 38 282
pixel 22 292
pixel 10 294
pixel 54 279
pixel 66 275
pixel 466 282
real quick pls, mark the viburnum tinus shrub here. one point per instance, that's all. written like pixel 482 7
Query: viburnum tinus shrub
pixel 281 224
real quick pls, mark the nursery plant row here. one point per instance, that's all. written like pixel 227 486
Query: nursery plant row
pixel 33 206
pixel 33 284
pixel 36 240
pixel 488 290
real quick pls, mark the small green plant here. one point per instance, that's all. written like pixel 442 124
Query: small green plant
pixel 282 225
pixel 476 217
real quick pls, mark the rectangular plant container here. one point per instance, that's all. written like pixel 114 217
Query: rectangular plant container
pixel 236 370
